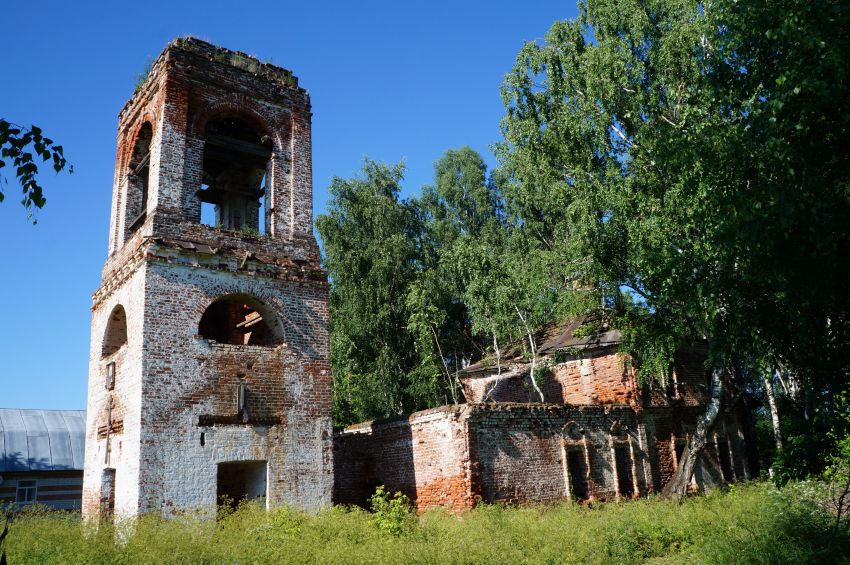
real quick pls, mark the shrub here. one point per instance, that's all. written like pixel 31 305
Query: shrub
pixel 391 513
pixel 752 523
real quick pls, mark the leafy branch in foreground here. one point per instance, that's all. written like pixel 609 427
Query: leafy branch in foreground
pixel 20 147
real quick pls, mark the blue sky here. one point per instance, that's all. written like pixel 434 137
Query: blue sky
pixel 388 80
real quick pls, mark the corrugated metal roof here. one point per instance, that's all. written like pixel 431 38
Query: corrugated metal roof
pixel 41 440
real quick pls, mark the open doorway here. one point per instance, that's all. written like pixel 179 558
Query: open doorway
pixel 241 480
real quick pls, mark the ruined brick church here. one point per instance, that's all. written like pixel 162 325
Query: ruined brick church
pixel 209 372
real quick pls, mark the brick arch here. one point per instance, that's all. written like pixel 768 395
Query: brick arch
pixel 279 131
pixel 115 335
pixel 130 140
pixel 573 431
pixel 274 327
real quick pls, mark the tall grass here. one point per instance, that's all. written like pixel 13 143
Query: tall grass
pixel 754 523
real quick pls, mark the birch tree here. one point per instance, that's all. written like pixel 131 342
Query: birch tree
pixel 649 146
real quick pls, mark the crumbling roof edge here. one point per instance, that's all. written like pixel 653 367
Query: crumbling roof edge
pixel 201 48
pixel 414 417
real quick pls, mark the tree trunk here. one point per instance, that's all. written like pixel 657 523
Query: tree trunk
pixel 533 346
pixel 498 354
pixel 774 413
pixel 446 367
pixel 677 488
pixel 789 383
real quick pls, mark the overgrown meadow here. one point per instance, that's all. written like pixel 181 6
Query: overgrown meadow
pixel 753 523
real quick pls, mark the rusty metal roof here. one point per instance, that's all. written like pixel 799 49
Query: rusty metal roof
pixel 41 440
pixel 551 338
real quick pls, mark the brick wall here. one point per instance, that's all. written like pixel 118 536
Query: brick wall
pixel 175 392
pixel 602 376
pixel 424 456
pixel 518 453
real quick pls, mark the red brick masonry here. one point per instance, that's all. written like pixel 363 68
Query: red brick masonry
pixel 455 456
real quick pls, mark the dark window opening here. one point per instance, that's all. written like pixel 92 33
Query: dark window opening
pixel 237 157
pixel 625 479
pixel 577 468
pixel 26 492
pixel 110 376
pixel 116 332
pixel 725 460
pixel 680 449
pixel 236 322
pixel 243 480
pixel 139 178
pixel 242 400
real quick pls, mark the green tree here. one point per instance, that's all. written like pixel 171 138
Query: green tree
pixel 498 272
pixel 646 154
pixel 370 248
pixel 22 147
pixel 461 212
pixel 793 97
pixel 401 329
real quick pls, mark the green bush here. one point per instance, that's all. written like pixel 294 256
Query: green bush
pixel 391 513
pixel 752 523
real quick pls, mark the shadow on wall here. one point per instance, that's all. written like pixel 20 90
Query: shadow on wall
pixel 302 323
pixel 517 464
pixel 363 461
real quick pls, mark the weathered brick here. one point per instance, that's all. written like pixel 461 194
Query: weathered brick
pixel 517 453
pixel 173 386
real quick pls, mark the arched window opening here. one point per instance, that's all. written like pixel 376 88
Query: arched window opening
pixel 116 332
pixel 237 156
pixel 139 178
pixel 237 322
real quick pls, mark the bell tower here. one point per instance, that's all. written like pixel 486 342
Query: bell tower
pixel 209 378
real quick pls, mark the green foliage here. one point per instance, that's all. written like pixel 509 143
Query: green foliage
pixel 541 375
pixel 142 77
pixel 391 513
pixel 371 243
pixel 684 162
pixel 560 356
pixel 654 147
pixel 411 284
pixel 21 147
pixel 249 231
pixel 755 523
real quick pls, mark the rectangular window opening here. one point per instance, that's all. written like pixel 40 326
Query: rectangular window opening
pixel 110 376
pixel 107 493
pixel 680 449
pixel 577 468
pixel 625 479
pixel 262 220
pixel 27 491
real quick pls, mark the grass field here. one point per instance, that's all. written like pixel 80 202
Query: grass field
pixel 753 523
